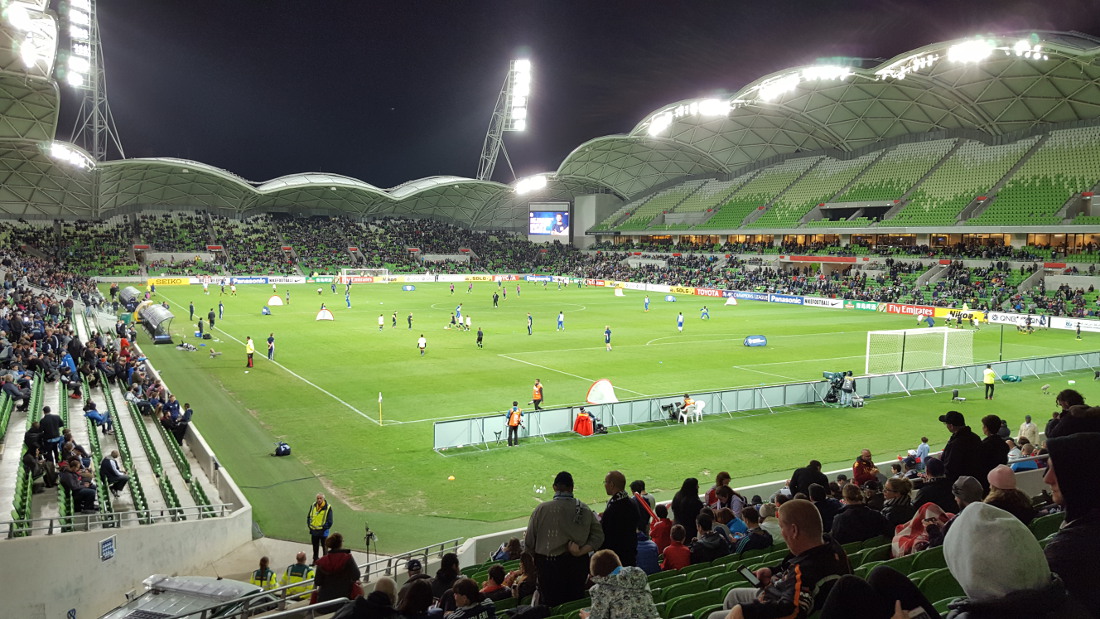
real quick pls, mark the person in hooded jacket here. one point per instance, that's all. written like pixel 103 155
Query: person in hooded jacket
pixel 1074 551
pixel 337 573
pixel 619 592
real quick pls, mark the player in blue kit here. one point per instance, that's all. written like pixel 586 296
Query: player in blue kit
pixel 561 321
pixel 647 303
pixel 680 322
pixel 607 337
pixel 704 314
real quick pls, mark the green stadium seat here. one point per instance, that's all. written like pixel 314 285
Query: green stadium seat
pixel 1045 526
pixel 929 558
pixel 683 588
pixel 688 604
pixel 939 585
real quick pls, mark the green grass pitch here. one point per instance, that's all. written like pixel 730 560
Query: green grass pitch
pixel 321 396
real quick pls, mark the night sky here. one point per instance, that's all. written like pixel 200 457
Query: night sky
pixel 389 92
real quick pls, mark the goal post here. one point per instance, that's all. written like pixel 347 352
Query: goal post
pixel 352 276
pixel 904 350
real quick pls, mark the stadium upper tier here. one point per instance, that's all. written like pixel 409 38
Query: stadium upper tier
pixel 995 89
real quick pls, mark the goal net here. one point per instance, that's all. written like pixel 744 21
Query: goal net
pixel 353 276
pixel 905 350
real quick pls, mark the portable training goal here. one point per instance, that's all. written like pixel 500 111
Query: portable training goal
pixel 904 350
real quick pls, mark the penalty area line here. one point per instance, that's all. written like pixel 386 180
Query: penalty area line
pixel 567 373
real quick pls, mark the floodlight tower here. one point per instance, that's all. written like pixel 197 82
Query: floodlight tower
pixel 510 114
pixel 94 128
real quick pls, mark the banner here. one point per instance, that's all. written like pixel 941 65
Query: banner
pixel 907 310
pixel 681 290
pixel 358 279
pixel 538 278
pixel 756 340
pixel 785 298
pixel 321 279
pixel 821 302
pixel 750 296
pixel 1020 320
pixel 477 278
pixel 420 279
pixel 708 292
pixel 249 280
pixel 169 281
pixel 941 312
pixel 1070 324
pixel 278 279
pixel 867 306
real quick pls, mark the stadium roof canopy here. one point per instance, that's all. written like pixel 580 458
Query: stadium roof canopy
pixel 989 88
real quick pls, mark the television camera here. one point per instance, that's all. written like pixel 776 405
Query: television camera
pixel 835 380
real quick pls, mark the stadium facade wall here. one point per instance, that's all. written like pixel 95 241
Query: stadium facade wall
pixel 587 211
pixel 80 580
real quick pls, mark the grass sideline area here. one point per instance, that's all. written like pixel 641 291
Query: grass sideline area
pixel 321 396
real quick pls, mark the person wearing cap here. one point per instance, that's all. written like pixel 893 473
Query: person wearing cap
pixel 994 451
pixel 962 454
pixel 1074 551
pixel 1004 494
pixel 561 532
pixel 936 487
pixel 294 574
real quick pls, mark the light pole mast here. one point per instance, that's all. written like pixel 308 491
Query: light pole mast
pixel 510 114
pixel 94 129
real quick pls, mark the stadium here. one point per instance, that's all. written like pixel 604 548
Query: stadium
pixel 819 211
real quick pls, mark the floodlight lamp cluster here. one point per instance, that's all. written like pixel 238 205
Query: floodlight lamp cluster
pixel 1024 48
pixel 904 67
pixel 770 90
pixel 531 183
pixel 37 44
pixel 79 65
pixel 67 154
pixel 971 52
pixel 700 107
pixel 519 92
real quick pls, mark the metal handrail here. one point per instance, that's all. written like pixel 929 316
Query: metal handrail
pixel 385 566
pixel 53 524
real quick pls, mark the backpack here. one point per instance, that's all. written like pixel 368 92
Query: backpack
pixel 282 449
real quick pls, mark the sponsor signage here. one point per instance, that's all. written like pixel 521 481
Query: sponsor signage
pixel 756 340
pixel 1054 265
pixel 785 298
pixel 478 278
pixel 820 302
pixel 750 296
pixel 708 292
pixel 358 279
pixel 248 280
pixel 321 279
pixel 867 306
pixel 1020 320
pixel 214 248
pixel 169 281
pixel 353 249
pixel 286 248
pixel 1070 324
pixel 539 278
pixel 681 290
pixel 908 310
pixel 296 279
pixel 146 247
pixel 958 313
pixel 828 259
pixel 420 278
pixel 414 250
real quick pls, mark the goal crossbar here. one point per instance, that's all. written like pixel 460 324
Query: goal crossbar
pixel 903 350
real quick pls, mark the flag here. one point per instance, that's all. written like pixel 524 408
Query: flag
pixel 379 397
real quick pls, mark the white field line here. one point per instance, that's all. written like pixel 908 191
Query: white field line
pixel 567 373
pixel 748 369
pixel 263 357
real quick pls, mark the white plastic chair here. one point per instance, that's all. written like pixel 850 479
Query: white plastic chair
pixel 691 411
pixel 699 410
